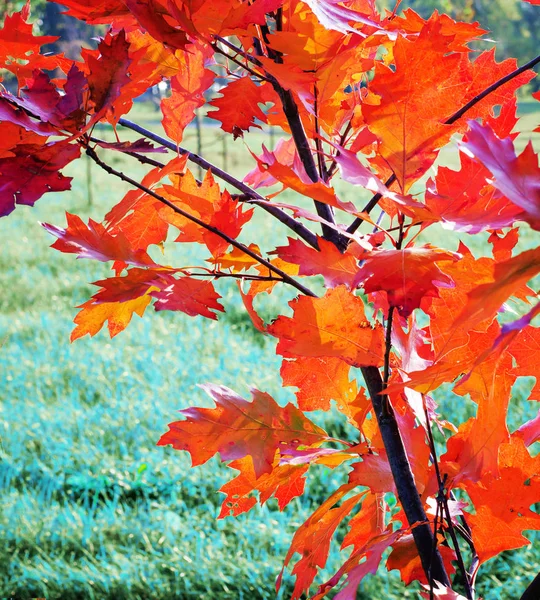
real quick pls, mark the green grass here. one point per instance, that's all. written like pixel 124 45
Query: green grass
pixel 90 507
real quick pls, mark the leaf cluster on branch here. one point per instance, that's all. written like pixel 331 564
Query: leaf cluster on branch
pixel 367 100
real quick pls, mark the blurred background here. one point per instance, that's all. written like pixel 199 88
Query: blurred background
pixel 89 506
pixel 514 25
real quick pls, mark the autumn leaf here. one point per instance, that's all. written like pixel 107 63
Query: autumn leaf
pixel 138 215
pixel 312 539
pixel 141 146
pixel 529 432
pixel 339 18
pixel 319 380
pixel 362 562
pixel 517 177
pixel 137 282
pixel 33 171
pixel 258 287
pixel 407 276
pixel 508 277
pixel 97 11
pixel 473 451
pixel 207 18
pixel 453 351
pixel 373 472
pixel 20 48
pixel 187 92
pixel 336 268
pixel 499 525
pixel 332 326
pixel 108 73
pixel 188 295
pixel 206 201
pixel 405 558
pixel 236 428
pixel 152 16
pixel 284 153
pixel 94 241
pixel 524 348
pixel 41 99
pixel 237 260
pixel 256 319
pixel 464 201
pixel 284 483
pixel 93 316
pixel 394 104
pixel 456 35
pixel 238 106
pixel 368 523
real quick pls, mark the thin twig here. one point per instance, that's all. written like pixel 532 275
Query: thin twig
pixel 457 115
pixel 342 139
pixel 442 483
pixel 323 172
pixel 243 276
pixel 239 63
pixel 239 50
pixel 433 550
pixel 284 276
pixel 306 234
pixel 387 352
pixel 494 86
pixel 465 531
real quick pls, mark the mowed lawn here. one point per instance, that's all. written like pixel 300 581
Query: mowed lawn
pixel 89 506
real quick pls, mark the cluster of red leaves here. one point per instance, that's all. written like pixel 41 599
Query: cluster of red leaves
pixel 378 96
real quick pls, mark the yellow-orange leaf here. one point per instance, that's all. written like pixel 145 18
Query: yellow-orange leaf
pixel 334 325
pixel 92 317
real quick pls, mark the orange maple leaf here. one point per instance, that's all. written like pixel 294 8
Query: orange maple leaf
pixel 236 428
pixel 334 325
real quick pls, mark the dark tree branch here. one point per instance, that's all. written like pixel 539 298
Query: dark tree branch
pixel 301 141
pixel 457 115
pixel 393 443
pixel 399 463
pixel 323 171
pixel 255 198
pixel 306 156
pixel 284 276
pixel 402 474
pixel 533 591
pixel 388 426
